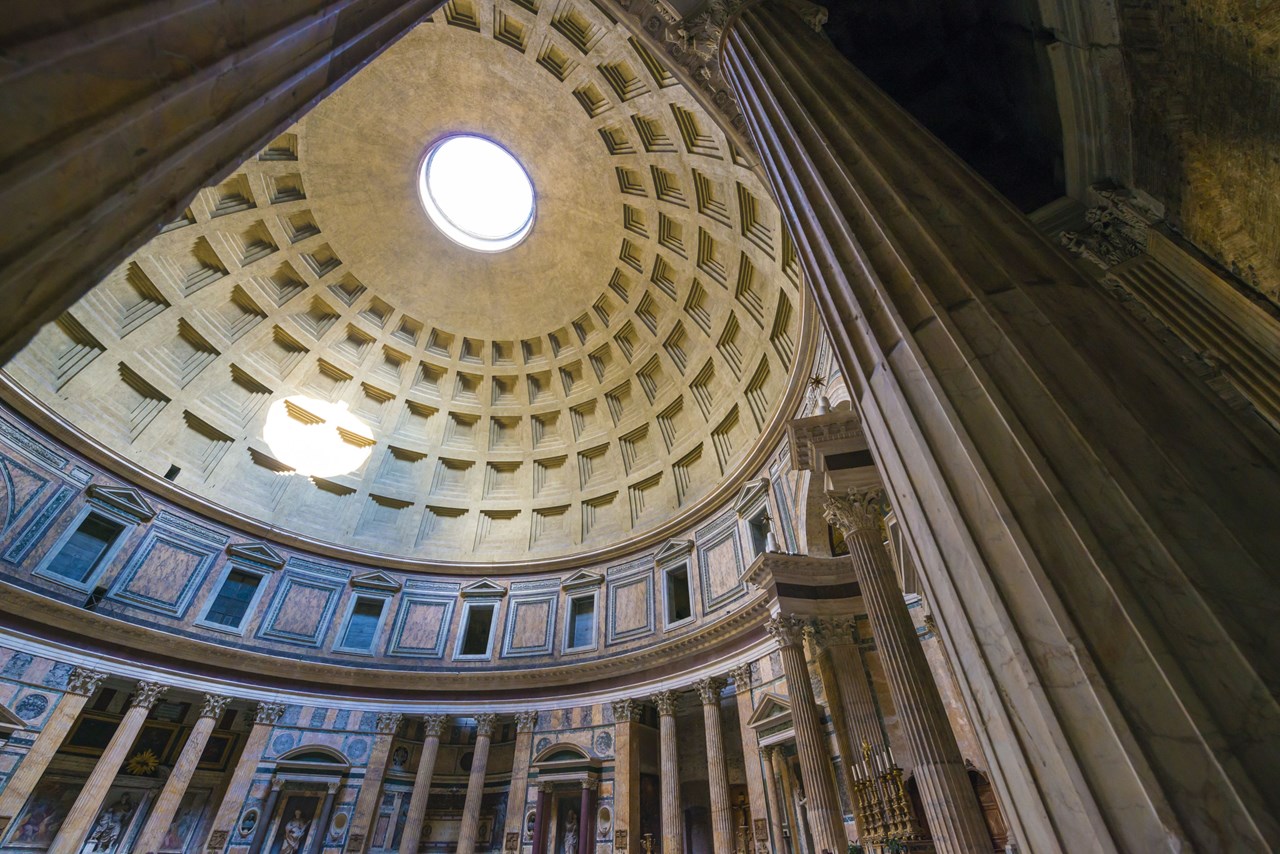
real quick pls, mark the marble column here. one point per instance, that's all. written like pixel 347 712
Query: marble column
pixel 475 785
pixel 1094 528
pixel 316 846
pixel 773 802
pixel 432 727
pixel 717 773
pixel 371 787
pixel 825 818
pixel 836 638
pixel 950 806
pixel 540 819
pixel 756 793
pixel 81 685
pixel 526 722
pixel 175 787
pixel 84 811
pixel 224 823
pixel 778 758
pixel 626 773
pixel 672 812
pixel 850 755
pixel 265 816
pixel 586 806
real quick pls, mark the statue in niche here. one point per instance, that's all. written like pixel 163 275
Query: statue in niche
pixel 294 832
pixel 110 825
pixel 571 833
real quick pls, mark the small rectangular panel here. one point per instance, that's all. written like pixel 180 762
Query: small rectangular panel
pixel 421 627
pixel 164 572
pixel 301 610
pixel 530 628
pixel 719 563
pixel 629 596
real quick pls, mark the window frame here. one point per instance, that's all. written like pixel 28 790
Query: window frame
pixel 345 624
pixel 229 567
pixel 90 582
pixel 685 566
pixel 464 620
pixel 566 644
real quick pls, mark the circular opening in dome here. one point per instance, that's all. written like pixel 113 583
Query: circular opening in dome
pixel 476 192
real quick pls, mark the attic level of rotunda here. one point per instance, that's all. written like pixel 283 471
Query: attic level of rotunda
pixel 633 426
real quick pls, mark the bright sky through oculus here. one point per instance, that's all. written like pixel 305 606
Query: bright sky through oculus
pixel 476 193
pixel 315 437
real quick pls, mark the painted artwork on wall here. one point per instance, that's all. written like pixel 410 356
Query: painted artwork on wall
pixel 185 822
pixel 45 810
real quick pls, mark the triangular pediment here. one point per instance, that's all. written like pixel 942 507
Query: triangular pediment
pixel 483 589
pixel 376 580
pixel 259 553
pixel 751 493
pixel 774 710
pixel 123 499
pixel 672 551
pixel 581 579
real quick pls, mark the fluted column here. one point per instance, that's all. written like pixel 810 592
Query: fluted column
pixel 795 821
pixel 175 787
pixel 825 819
pixel 371 787
pixel 432 727
pixel 80 819
pixel 475 785
pixel 264 720
pixel 773 802
pixel 950 806
pixel 849 754
pixel 840 637
pixel 322 823
pixel 672 812
pixel 586 806
pixel 526 722
pixel 81 685
pixel 757 795
pixel 1095 530
pixel 626 772
pixel 540 819
pixel 717 774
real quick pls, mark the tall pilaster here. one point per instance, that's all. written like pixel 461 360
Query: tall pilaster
pixel 371 787
pixel 175 787
pixel 757 794
pixel 773 804
pixel 1094 528
pixel 526 722
pixel 825 819
pixel 717 773
pixel 264 720
pixel 75 829
pixel 950 806
pixel 432 727
pixel 626 773
pixel 81 685
pixel 672 813
pixel 475 784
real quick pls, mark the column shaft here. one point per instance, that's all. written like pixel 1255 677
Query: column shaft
pixel 433 726
pixel 265 816
pixel 586 806
pixel 540 820
pixel 849 754
pixel 825 819
pixel 166 806
pixel 475 785
pixel 672 811
pixel 322 823
pixel 626 773
pixel 84 811
pixel 371 788
pixel 525 724
pixel 757 795
pixel 81 685
pixel 794 820
pixel 773 803
pixel 224 822
pixel 717 772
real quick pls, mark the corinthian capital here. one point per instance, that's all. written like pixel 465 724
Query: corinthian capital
pixel 626 710
pixel 84 681
pixel 388 722
pixel 485 722
pixel 147 694
pixel 709 690
pixel 786 629
pixel 433 725
pixel 741 676
pixel 858 511
pixel 268 713
pixel 213 705
pixel 827 632
pixel 526 721
pixel 666 702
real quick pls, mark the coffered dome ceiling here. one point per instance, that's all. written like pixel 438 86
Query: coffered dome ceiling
pixel 610 375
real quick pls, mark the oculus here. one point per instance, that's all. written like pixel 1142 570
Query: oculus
pixel 476 193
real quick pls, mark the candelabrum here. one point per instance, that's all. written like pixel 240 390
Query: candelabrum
pixel 884 808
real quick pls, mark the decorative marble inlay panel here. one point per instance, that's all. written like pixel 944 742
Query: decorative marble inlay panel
pixel 301 610
pixel 164 573
pixel 422 626
pixel 630 612
pixel 719 563
pixel 531 623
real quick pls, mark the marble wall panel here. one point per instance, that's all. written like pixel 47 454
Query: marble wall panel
pixel 630 605
pixel 422 626
pixel 163 573
pixel 531 624
pixel 301 610
pixel 720 563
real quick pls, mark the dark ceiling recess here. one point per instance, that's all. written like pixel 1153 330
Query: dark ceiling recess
pixel 976 74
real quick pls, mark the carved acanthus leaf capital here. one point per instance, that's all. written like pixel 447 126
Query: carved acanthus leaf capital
pixel 666 702
pixel 627 710
pixel 268 713
pixel 213 705
pixel 147 694
pixel 709 690
pixel 388 722
pixel 786 629
pixel 526 721
pixel 485 723
pixel 741 676
pixel 825 632
pixel 84 681
pixel 433 725
pixel 856 511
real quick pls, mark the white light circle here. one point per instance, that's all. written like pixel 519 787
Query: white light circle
pixel 315 437
pixel 476 192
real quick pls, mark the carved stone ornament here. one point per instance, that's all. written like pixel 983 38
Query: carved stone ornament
pixel 388 722
pixel 1117 228
pixel 626 710
pixel 741 676
pixel 786 629
pixel 146 694
pixel 857 511
pixel 825 632
pixel 84 681
pixel 213 705
pixel 268 713
pixel 709 690
pixel 526 721
pixel 433 725
pixel 666 702
pixel 485 722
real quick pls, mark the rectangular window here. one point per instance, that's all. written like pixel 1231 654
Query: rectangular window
pixel 678 598
pixel 479 625
pixel 362 625
pixel 582 622
pixel 234 598
pixel 81 554
pixel 759 528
